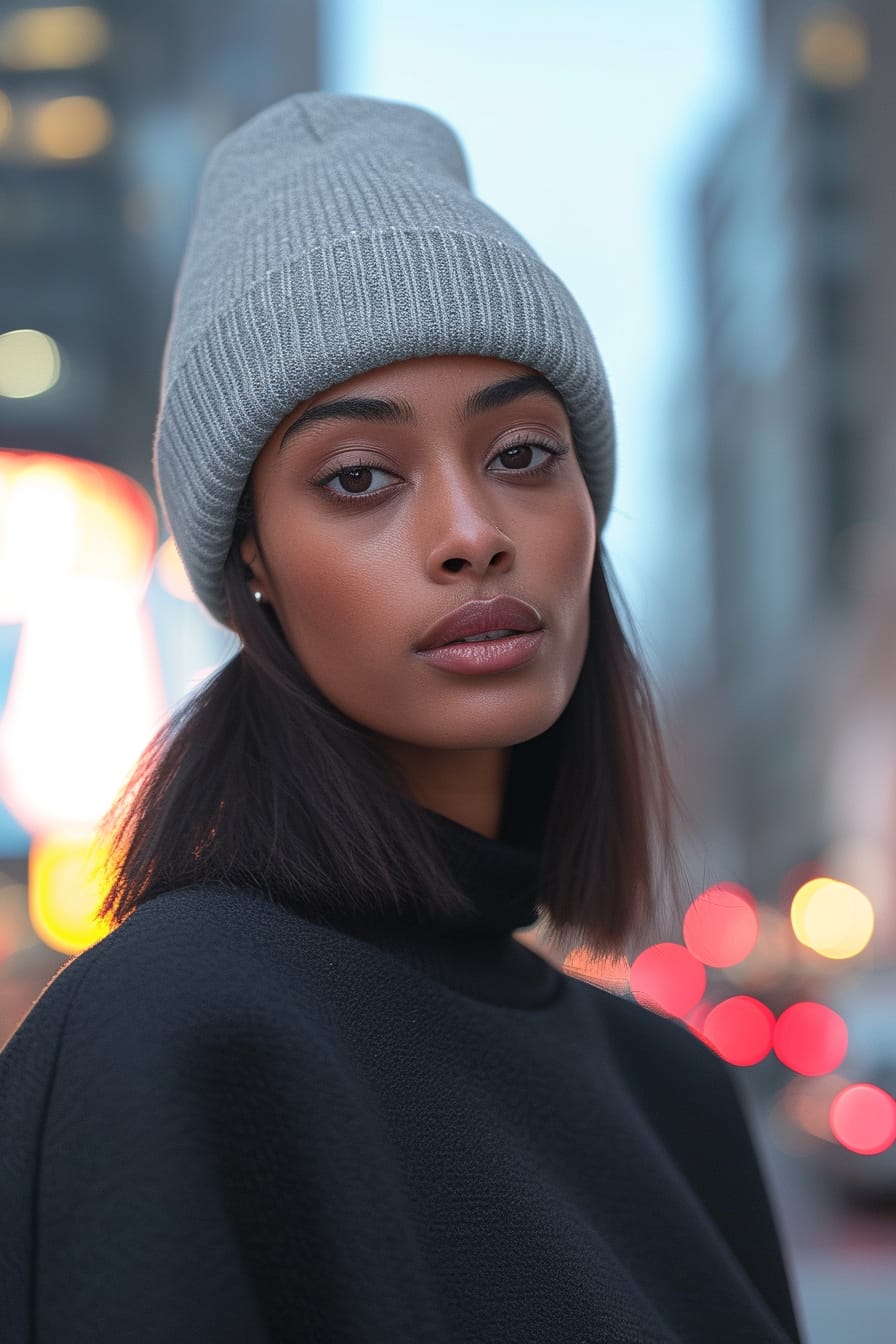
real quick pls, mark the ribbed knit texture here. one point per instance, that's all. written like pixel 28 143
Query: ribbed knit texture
pixel 333 234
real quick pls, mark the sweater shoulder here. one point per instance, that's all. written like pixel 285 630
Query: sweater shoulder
pixel 190 954
pixel 697 1107
pixel 206 923
pixel 646 1041
pixel 675 1077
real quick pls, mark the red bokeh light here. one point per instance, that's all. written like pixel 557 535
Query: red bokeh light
pixel 668 977
pixel 810 1038
pixel 721 925
pixel 863 1118
pixel 740 1029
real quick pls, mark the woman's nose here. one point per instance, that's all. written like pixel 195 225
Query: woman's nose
pixel 465 536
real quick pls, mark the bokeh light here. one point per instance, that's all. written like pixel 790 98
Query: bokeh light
pixel 37 530
pixel 63 517
pixel 667 977
pixel 58 37
pixel 170 572
pixel 833 918
pixel 721 925
pixel 29 363
pixel 832 47
pixel 740 1029
pixel 115 529
pixel 863 1118
pixel 85 697
pixel 810 1038
pixel 864 860
pixel 65 890
pixel 73 127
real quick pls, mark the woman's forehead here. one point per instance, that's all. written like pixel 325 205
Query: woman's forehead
pixel 414 377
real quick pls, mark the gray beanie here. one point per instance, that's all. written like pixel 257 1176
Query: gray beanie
pixel 331 235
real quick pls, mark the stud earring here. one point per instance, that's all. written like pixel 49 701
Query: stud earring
pixel 257 597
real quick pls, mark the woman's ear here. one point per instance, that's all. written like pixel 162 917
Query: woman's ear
pixel 258 579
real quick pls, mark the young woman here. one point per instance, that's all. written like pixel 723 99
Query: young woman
pixel 311 1086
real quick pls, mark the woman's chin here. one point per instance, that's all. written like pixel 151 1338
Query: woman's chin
pixel 468 736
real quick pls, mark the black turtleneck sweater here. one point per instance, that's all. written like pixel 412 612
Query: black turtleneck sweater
pixel 226 1124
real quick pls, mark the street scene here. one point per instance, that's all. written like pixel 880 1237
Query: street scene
pixel 714 181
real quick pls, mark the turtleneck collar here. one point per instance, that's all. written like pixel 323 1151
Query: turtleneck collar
pixel 475 952
pixel 500 879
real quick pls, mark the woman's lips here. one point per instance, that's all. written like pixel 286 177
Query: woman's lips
pixel 491 655
pixel 478 617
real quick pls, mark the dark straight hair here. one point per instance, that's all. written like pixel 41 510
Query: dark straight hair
pixel 258 781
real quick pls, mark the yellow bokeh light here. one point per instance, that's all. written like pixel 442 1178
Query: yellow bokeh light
pixel 69 128
pixel 171 573
pixel 55 38
pixel 801 900
pixel 29 363
pixel 833 918
pixel 65 889
pixel 832 48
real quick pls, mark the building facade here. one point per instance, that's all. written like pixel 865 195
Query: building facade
pixel 796 458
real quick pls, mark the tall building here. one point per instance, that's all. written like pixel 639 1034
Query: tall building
pixel 107 112
pixel 795 451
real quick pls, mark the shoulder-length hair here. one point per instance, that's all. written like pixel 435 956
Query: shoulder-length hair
pixel 258 781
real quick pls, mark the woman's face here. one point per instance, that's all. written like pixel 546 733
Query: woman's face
pixel 380 519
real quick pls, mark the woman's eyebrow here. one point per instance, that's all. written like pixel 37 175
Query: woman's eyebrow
pixel 382 409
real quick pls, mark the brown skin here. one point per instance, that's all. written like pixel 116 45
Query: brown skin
pixel 356 585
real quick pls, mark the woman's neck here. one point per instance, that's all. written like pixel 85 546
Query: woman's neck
pixel 468 786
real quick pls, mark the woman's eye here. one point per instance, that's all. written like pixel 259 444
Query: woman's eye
pixel 520 455
pixel 355 480
pixel 359 480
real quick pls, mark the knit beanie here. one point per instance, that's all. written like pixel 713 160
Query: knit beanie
pixel 333 234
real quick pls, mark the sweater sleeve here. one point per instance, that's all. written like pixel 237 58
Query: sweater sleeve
pixel 693 1098
pixel 737 1194
pixel 120 1231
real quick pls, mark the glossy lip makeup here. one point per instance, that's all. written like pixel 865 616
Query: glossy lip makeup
pixel 484 636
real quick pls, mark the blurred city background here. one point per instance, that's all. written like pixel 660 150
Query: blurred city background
pixel 713 180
